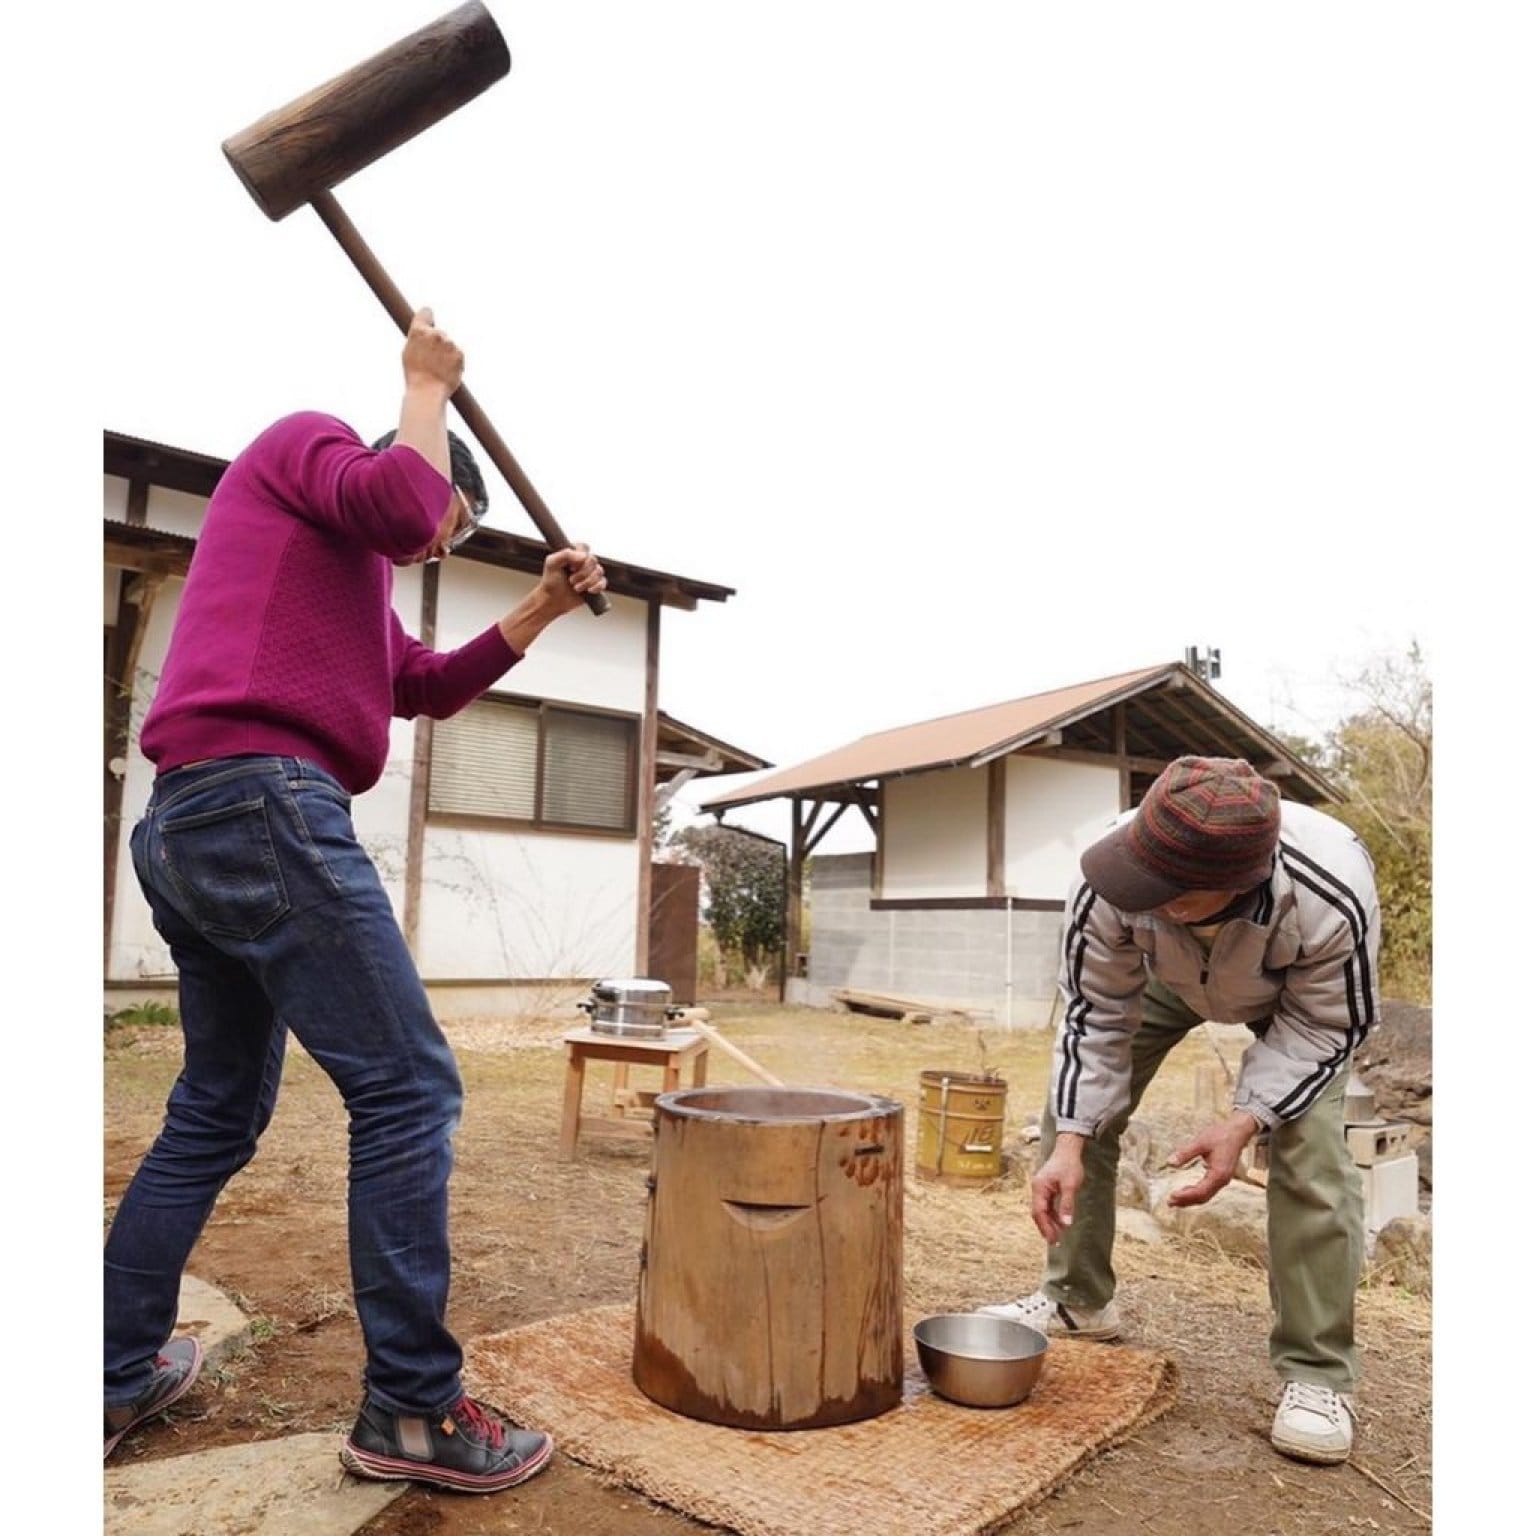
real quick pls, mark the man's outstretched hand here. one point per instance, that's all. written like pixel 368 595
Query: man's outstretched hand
pixel 1220 1145
pixel 1053 1191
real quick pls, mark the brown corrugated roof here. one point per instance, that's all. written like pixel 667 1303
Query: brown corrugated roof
pixel 969 737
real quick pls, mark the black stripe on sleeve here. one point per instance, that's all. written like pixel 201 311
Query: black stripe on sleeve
pixel 1305 1094
pixel 1073 1022
pixel 1360 927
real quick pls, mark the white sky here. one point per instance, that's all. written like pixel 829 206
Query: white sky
pixel 981 349
pixel 984 347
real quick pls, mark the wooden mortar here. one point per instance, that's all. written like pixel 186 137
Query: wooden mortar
pixel 770 1277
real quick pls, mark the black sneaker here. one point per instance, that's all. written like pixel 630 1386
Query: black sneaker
pixel 176 1368
pixel 471 1448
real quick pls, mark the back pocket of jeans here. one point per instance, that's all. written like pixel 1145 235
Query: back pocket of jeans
pixel 226 869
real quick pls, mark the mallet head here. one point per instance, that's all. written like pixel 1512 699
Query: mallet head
pixel 293 154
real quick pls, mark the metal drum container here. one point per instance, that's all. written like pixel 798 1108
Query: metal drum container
pixel 960 1128
pixel 632 1006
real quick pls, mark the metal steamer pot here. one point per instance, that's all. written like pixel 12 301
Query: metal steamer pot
pixel 632 1006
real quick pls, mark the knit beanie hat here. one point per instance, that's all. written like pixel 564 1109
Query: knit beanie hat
pixel 1206 824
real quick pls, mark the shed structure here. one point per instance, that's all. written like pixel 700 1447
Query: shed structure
pixel 978 820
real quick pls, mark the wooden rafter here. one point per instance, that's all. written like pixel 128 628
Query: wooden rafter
pixel 1137 741
pixel 814 836
pixel 1234 746
pixel 868 808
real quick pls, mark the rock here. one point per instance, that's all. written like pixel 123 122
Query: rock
pixel 204 1310
pixel 1403 1255
pixel 1234 1220
pixel 1396 1061
pixel 1133 1189
pixel 1140 1226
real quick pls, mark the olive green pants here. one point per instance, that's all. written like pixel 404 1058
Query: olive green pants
pixel 1316 1215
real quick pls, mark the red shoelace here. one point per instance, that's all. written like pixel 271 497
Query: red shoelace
pixel 477 1422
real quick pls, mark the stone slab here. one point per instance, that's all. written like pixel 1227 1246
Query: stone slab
pixel 293 1486
pixel 204 1310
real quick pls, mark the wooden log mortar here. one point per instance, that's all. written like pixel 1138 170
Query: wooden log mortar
pixel 770 1277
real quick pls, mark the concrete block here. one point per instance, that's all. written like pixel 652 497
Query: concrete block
pixel 1391 1191
pixel 1376 1141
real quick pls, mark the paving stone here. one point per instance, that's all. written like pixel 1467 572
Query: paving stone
pixel 204 1310
pixel 293 1486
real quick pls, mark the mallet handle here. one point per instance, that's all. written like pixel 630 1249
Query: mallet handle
pixel 373 273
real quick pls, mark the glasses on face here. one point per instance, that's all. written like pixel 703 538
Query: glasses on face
pixel 471 514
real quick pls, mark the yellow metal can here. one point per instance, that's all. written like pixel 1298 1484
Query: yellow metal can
pixel 960 1127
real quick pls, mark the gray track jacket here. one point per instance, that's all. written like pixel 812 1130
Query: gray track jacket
pixel 1299 964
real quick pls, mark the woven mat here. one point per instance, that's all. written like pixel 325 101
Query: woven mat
pixel 927 1465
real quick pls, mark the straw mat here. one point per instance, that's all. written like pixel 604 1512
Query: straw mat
pixel 927 1466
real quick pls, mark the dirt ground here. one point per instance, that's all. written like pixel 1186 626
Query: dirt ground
pixel 534 1237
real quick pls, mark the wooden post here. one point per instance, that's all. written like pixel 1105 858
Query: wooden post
pixel 570 1119
pixel 882 825
pixel 136 600
pixel 794 886
pixel 645 789
pixel 770 1278
pixel 997 800
pixel 421 775
pixel 1122 757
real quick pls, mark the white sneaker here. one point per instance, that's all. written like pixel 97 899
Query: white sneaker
pixel 1039 1312
pixel 1313 1423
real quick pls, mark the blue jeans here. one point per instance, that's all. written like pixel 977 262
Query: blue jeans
pixel 276 920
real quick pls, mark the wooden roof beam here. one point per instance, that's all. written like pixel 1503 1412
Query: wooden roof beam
pixel 699 762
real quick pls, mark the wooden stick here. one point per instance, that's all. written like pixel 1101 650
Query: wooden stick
pixel 694 1018
pixel 1385 1487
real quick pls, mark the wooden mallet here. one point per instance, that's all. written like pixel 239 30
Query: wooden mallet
pixel 296 154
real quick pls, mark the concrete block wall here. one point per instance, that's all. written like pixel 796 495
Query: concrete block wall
pixel 951 955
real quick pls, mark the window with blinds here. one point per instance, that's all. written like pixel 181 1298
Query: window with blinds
pixel 542 764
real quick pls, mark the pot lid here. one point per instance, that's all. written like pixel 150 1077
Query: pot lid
pixel 631 989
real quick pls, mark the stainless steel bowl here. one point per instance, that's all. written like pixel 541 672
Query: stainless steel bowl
pixel 981 1361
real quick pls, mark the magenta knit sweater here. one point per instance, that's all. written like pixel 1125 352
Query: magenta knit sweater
pixel 285 642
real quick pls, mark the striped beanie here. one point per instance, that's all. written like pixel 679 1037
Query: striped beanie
pixel 1206 824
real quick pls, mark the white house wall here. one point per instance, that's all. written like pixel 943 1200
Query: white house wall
pixel 137 950
pixel 493 904
pixel 501 905
pixel 1054 810
pixel 175 511
pixel 115 499
pixel 935 835
pixel 581 659
pixel 537 904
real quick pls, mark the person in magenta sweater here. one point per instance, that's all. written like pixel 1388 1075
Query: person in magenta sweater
pixel 285 666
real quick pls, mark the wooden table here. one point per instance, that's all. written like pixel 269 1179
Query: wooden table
pixel 671 1052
